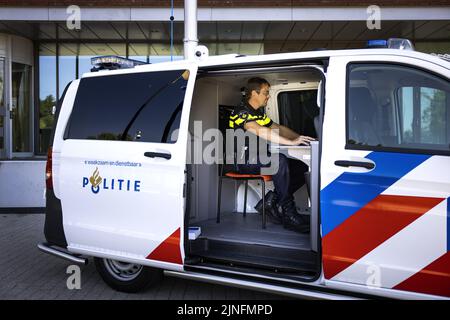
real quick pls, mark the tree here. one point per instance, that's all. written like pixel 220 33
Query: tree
pixel 433 117
pixel 45 112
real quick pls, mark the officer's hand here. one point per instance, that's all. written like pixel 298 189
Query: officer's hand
pixel 305 140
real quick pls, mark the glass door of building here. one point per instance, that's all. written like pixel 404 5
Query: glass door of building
pixel 21 110
pixel 2 110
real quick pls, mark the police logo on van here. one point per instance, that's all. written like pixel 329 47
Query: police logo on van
pixel 95 180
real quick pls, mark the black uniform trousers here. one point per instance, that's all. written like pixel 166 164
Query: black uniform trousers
pixel 288 179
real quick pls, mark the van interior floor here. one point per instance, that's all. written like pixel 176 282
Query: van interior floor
pixel 234 227
pixel 241 241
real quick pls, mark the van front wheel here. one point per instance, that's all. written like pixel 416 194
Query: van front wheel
pixel 127 277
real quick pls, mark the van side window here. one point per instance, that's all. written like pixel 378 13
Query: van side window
pixel 297 110
pixel 143 107
pixel 391 107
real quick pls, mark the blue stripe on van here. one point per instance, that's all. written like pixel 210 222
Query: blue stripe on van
pixel 352 191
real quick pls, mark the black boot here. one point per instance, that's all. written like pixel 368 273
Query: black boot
pixel 271 207
pixel 293 220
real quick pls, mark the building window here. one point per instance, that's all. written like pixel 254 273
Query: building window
pixel 21 108
pixel 2 108
pixel 67 65
pixel 47 94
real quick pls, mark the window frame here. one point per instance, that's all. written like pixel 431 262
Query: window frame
pixel 384 148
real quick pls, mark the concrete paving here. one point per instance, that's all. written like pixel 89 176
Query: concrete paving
pixel 27 273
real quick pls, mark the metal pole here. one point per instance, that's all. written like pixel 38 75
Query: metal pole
pixel 190 28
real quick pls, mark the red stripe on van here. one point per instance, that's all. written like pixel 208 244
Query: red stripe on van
pixel 168 250
pixel 433 279
pixel 369 227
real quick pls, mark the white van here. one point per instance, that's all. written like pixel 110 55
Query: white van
pixel 122 187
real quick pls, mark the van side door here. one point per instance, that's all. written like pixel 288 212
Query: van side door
pixel 121 164
pixel 385 178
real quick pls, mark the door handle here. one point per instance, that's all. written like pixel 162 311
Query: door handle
pixel 348 163
pixel 165 155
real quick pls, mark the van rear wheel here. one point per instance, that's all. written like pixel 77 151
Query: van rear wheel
pixel 127 277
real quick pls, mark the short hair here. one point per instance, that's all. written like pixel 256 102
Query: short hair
pixel 254 84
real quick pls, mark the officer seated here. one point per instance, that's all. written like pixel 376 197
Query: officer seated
pixel 289 177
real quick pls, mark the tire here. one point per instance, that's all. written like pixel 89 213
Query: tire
pixel 127 277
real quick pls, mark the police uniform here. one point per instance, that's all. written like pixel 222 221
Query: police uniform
pixel 290 175
pixel 245 113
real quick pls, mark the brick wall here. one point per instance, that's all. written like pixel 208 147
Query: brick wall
pixel 223 3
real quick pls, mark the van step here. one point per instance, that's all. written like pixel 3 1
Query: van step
pixel 272 264
pixel 253 255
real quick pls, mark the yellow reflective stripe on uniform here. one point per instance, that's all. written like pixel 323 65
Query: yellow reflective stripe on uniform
pixel 263 121
pixel 250 117
pixel 239 121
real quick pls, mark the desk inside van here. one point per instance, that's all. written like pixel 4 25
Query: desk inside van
pixel 302 153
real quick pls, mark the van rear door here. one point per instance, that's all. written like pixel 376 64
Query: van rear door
pixel 122 164
pixel 385 179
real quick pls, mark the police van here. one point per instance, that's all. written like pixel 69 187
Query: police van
pixel 122 187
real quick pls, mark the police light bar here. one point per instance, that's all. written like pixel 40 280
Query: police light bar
pixel 398 43
pixel 391 43
pixel 113 62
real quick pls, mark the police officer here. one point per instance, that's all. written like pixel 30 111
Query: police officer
pixel 249 116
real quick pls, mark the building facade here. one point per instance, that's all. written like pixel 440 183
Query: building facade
pixel 46 44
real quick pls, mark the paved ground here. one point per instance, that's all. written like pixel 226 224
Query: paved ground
pixel 27 273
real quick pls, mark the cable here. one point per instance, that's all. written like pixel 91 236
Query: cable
pixel 171 30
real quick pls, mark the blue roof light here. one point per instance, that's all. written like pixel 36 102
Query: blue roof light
pixel 376 44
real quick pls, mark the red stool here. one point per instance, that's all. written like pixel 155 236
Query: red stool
pixel 246 177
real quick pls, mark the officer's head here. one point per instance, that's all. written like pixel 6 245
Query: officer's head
pixel 257 92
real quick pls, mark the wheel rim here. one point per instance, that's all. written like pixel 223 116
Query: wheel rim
pixel 123 271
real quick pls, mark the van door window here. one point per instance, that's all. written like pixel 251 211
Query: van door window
pixel 392 107
pixel 297 110
pixel 143 107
